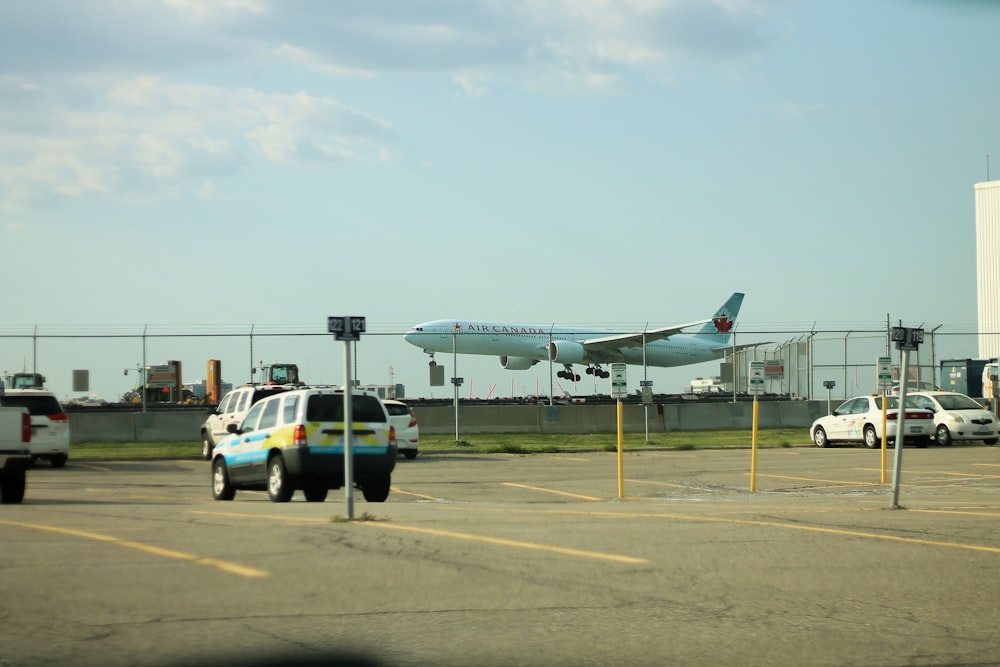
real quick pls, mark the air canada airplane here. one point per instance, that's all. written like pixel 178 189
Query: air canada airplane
pixel 521 346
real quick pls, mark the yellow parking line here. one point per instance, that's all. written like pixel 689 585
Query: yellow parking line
pixel 565 551
pixel 813 479
pixel 415 495
pixel 225 566
pixel 268 517
pixel 455 535
pixel 553 491
pixel 959 512
pixel 750 522
pixel 687 487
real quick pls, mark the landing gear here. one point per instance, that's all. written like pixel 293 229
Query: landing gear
pixel 568 374
pixel 597 371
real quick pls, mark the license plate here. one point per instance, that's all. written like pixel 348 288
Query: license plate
pixel 916 429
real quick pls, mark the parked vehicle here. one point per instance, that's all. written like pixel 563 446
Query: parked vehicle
pixel 958 417
pixel 233 407
pixel 49 423
pixel 295 440
pixel 407 430
pixel 859 419
pixel 15 455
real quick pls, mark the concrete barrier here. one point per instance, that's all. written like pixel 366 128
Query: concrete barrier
pixel 180 426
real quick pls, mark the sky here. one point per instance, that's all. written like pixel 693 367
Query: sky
pixel 200 170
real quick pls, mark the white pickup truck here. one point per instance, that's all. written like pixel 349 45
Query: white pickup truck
pixel 15 456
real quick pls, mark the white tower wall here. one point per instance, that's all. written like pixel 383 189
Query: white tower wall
pixel 988 267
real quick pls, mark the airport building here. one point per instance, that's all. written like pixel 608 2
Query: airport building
pixel 988 267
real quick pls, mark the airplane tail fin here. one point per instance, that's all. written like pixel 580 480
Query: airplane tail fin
pixel 723 321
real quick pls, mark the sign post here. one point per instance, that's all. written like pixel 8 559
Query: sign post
pixel 884 378
pixel 906 339
pixel 349 330
pixel 756 388
pixel 619 390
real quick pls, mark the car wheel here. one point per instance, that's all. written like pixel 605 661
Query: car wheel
pixel 315 491
pixel 12 485
pixel 376 490
pixel 58 460
pixel 206 447
pixel 410 453
pixel 279 488
pixel 872 441
pixel 990 441
pixel 819 437
pixel 942 435
pixel 222 488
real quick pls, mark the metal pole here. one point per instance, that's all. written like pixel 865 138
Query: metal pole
pixel 348 435
pixel 454 378
pixel 145 374
pixel 645 381
pixel 897 462
pixel 551 388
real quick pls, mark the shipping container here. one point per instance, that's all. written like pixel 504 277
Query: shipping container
pixel 963 375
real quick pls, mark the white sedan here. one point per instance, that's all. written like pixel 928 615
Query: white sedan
pixel 859 419
pixel 958 417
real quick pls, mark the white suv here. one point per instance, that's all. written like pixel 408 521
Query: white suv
pixel 49 423
pixel 233 407
pixel 407 430
pixel 295 440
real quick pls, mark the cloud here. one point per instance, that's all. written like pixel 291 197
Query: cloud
pixel 147 100
pixel 147 137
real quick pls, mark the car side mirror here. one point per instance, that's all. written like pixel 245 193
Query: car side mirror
pixel 233 428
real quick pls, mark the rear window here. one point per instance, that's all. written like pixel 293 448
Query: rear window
pixel 37 405
pixel 264 392
pixel 330 408
pixel 395 409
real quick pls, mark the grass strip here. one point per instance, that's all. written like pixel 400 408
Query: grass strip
pixel 493 443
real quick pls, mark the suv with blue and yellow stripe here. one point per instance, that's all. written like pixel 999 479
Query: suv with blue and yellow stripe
pixel 295 440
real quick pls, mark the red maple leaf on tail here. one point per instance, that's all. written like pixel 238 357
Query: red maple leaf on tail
pixel 722 324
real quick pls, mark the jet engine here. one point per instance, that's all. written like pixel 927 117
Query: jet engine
pixel 517 363
pixel 566 352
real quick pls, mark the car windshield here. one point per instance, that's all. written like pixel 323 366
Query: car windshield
pixel 892 402
pixel 957 402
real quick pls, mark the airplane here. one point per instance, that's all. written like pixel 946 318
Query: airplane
pixel 521 346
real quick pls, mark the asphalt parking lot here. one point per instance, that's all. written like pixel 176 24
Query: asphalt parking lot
pixel 527 560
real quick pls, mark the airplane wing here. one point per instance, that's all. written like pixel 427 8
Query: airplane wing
pixel 635 339
pixel 737 348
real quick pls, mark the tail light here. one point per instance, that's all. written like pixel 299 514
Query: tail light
pixel 25 427
pixel 299 436
pixel 59 417
pixel 413 419
pixel 392 435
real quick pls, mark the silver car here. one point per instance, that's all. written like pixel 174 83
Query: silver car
pixel 958 417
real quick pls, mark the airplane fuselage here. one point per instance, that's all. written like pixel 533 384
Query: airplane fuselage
pixel 515 341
